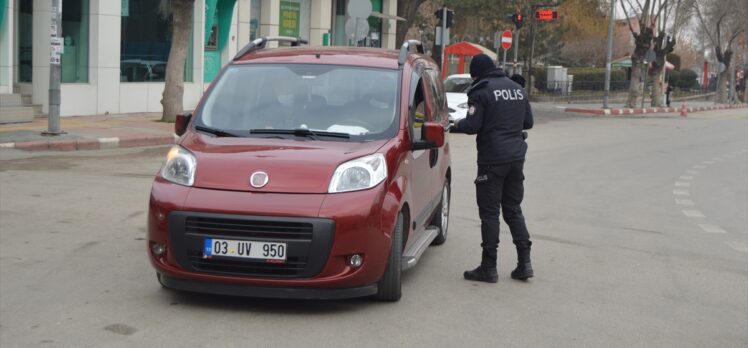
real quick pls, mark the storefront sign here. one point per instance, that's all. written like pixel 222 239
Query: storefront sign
pixel 289 18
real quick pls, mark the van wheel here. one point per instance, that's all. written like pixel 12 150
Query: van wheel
pixel 158 276
pixel 390 284
pixel 441 219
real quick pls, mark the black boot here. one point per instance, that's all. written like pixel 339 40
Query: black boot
pixel 524 267
pixel 483 274
pixel 486 272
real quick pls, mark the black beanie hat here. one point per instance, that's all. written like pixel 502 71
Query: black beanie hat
pixel 480 65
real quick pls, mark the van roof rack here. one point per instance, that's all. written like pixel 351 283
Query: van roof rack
pixel 405 50
pixel 260 43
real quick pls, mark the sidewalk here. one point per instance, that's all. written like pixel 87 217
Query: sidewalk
pixel 675 107
pixel 89 133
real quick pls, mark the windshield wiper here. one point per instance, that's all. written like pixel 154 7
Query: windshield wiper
pixel 301 132
pixel 216 132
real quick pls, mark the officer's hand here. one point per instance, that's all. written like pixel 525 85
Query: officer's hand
pixel 453 128
pixel 524 135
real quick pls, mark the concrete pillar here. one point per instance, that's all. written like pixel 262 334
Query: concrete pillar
pixel 104 48
pixel 269 19
pixel 7 49
pixel 243 7
pixel 389 26
pixel 320 21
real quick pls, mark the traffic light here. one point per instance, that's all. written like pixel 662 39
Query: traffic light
pixel 450 16
pixel 518 20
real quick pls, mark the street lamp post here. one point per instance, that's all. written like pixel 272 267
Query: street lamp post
pixel 609 56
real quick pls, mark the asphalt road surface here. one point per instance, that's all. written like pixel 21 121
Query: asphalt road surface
pixel 639 224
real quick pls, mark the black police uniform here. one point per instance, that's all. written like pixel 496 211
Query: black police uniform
pixel 499 111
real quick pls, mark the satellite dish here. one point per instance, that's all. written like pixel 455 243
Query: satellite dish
pixel 356 28
pixel 359 8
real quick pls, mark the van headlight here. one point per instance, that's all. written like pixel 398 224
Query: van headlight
pixel 179 167
pixel 359 174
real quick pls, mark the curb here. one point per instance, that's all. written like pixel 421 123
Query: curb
pixel 637 111
pixel 91 144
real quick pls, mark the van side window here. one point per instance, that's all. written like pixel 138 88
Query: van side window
pixel 417 108
pixel 437 94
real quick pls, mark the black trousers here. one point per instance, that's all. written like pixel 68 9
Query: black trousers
pixel 501 188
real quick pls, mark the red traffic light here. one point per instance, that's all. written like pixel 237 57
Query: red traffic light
pixel 546 15
pixel 519 17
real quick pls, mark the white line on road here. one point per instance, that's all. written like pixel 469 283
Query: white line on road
pixel 739 246
pixel 692 172
pixel 681 192
pixel 699 166
pixel 682 184
pixel 7 145
pixel 684 202
pixel 712 228
pixel 686 177
pixel 708 162
pixel 693 213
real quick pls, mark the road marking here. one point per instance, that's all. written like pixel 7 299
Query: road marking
pixel 739 246
pixel 7 145
pixel 681 192
pixel 693 213
pixel 693 172
pixel 708 162
pixel 699 166
pixel 682 184
pixel 686 177
pixel 712 228
pixel 684 202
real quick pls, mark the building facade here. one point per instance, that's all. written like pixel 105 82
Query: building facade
pixel 115 51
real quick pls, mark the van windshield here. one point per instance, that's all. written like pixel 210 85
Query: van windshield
pixel 357 101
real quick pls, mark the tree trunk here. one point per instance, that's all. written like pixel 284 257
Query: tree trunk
pixel 407 9
pixel 181 24
pixel 745 91
pixel 657 89
pixel 635 85
pixel 724 80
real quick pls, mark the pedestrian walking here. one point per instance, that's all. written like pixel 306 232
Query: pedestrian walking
pixel 498 113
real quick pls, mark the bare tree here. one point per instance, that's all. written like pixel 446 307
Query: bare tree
pixel 407 9
pixel 723 21
pixel 649 15
pixel 181 25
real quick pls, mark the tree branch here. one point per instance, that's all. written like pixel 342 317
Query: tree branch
pixel 628 18
pixel 703 23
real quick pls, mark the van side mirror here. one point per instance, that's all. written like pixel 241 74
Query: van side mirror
pixel 434 137
pixel 181 123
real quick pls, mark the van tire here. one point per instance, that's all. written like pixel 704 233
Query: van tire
pixel 390 285
pixel 441 216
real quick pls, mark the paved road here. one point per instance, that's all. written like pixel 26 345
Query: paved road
pixel 639 225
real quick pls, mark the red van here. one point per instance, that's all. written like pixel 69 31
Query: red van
pixel 305 173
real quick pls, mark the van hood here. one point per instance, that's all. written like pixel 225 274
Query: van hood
pixel 292 166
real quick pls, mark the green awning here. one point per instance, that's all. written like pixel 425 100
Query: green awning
pixel 624 62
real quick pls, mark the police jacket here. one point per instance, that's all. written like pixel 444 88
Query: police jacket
pixel 498 112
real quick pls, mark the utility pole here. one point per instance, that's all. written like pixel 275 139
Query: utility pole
pixel 441 37
pixel 56 47
pixel 609 56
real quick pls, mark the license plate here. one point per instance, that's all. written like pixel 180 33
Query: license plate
pixel 244 249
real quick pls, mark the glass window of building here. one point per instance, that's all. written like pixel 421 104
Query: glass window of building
pixel 25 40
pixel 75 14
pixel 146 41
pixel 340 17
pixel 255 10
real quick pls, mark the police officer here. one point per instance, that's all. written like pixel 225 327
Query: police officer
pixel 499 111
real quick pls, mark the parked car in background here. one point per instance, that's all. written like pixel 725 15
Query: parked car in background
pixel 456 87
pixel 305 173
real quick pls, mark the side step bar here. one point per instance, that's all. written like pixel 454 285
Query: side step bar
pixel 414 252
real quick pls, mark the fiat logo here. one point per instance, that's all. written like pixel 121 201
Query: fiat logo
pixel 258 179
